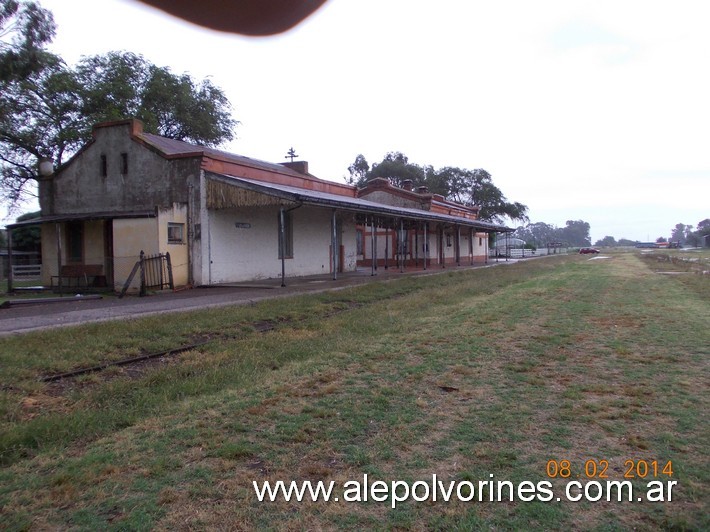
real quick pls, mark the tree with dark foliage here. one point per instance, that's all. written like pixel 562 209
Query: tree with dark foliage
pixel 468 187
pixel 25 28
pixel 47 109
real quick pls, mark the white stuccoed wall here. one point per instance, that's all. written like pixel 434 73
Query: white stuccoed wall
pixel 240 254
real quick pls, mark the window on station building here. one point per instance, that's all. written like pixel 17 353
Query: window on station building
pixel 75 242
pixel 287 245
pixel 176 233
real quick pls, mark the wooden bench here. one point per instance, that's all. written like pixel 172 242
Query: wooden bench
pixel 80 276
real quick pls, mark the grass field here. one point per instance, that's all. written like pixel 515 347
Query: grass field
pixel 503 371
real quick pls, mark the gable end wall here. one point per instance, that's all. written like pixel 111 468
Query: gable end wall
pixel 151 181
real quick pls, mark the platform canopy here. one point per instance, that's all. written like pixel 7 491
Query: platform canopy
pixel 225 191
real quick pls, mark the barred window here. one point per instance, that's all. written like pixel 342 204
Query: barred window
pixel 176 233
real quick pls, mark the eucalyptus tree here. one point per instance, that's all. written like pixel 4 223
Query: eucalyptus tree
pixel 469 187
pixel 25 27
pixel 476 187
pixel 50 112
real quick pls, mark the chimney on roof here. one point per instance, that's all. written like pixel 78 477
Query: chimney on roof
pixel 423 189
pixel 299 166
pixel 408 184
pixel 135 126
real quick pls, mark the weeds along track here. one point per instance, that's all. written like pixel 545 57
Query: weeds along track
pixel 241 330
pixel 259 326
pixel 134 370
pixel 110 385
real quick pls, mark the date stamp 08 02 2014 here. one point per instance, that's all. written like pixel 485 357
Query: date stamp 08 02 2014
pixel 633 469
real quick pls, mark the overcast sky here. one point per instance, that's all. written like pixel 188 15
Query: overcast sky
pixel 595 110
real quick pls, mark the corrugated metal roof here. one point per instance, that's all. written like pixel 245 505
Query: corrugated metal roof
pixel 324 199
pixel 179 148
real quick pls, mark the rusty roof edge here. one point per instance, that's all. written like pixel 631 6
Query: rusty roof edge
pixel 151 140
pixel 259 164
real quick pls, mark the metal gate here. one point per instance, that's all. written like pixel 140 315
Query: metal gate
pixel 156 273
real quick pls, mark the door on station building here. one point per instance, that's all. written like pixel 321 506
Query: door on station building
pixel 108 251
pixel 340 249
pixel 74 242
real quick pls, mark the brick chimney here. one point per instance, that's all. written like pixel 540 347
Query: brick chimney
pixel 423 190
pixel 299 166
pixel 135 126
pixel 408 184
